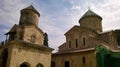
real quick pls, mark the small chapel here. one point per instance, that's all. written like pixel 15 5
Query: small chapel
pixel 26 45
pixel 87 45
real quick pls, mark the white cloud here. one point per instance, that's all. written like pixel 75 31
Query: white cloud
pixel 56 34
pixel 9 12
pixel 111 14
pixel 76 7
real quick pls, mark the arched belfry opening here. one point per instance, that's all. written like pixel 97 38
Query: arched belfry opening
pixel 25 64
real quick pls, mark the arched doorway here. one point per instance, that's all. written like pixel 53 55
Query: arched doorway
pixel 52 64
pixel 25 64
pixel 4 57
pixel 39 65
pixel 66 64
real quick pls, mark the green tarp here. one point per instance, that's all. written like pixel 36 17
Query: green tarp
pixel 107 58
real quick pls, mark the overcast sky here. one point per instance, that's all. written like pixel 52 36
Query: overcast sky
pixel 58 16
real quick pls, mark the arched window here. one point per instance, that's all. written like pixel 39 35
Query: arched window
pixel 83 60
pixel 52 64
pixel 39 65
pixel 84 43
pixel 25 64
pixel 76 43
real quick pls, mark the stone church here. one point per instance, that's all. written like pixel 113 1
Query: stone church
pixel 80 48
pixel 26 44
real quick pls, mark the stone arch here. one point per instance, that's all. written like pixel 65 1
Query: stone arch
pixel 25 64
pixel 39 65
pixel 4 57
pixel 84 39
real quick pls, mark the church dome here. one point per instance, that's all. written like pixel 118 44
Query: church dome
pixel 91 20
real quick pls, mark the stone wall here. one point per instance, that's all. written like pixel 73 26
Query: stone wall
pixel 93 23
pixel 75 59
pixel 21 53
pixel 29 17
pixel 32 31
pixel 78 33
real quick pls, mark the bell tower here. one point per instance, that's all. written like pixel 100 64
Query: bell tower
pixel 28 29
pixel 26 45
pixel 29 16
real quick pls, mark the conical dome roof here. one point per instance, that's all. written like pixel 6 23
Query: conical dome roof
pixel 91 20
pixel 31 8
pixel 90 13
